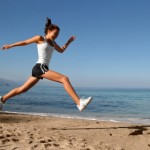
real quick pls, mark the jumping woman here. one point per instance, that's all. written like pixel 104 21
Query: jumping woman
pixel 45 47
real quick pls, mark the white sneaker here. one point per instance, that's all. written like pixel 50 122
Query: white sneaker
pixel 1 104
pixel 84 103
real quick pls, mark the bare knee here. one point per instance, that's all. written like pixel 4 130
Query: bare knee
pixel 65 79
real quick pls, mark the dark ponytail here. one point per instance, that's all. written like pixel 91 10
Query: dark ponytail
pixel 50 26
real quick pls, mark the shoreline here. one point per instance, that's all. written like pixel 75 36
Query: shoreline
pixel 22 131
pixel 137 121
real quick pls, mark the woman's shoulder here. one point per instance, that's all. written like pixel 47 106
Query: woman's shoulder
pixel 39 38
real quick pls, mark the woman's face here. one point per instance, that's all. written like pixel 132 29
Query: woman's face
pixel 52 35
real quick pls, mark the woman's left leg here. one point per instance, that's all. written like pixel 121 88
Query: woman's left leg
pixel 25 87
pixel 57 77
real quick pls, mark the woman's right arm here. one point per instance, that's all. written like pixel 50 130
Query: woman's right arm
pixel 35 39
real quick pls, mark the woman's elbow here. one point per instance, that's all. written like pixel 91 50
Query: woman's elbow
pixel 61 50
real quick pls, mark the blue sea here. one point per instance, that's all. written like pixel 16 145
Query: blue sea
pixel 117 105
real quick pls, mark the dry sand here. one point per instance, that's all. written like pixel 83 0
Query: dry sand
pixel 27 132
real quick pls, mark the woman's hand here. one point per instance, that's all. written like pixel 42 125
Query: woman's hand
pixel 6 47
pixel 72 38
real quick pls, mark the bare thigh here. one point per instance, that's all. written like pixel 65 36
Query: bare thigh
pixel 54 76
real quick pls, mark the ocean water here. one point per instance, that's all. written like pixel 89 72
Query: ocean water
pixel 118 105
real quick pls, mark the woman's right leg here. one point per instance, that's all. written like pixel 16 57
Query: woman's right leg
pixel 25 87
pixel 57 77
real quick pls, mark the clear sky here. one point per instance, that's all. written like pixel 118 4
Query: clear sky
pixel 112 48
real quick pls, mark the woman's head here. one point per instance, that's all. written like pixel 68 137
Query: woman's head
pixel 51 29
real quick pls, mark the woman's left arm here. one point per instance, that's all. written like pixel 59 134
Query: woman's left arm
pixel 63 48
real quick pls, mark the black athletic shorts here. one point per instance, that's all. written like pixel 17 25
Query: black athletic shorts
pixel 38 70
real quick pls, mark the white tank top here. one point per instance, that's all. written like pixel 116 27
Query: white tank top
pixel 45 52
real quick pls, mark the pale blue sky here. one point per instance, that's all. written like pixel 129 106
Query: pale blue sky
pixel 112 48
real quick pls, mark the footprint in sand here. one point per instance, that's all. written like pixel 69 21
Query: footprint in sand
pixel 48 145
pixel 2 137
pixel 15 140
pixel 43 141
pixel 4 141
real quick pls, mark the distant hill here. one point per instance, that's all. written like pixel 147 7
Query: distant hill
pixel 5 82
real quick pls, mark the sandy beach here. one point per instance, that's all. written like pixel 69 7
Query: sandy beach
pixel 27 132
